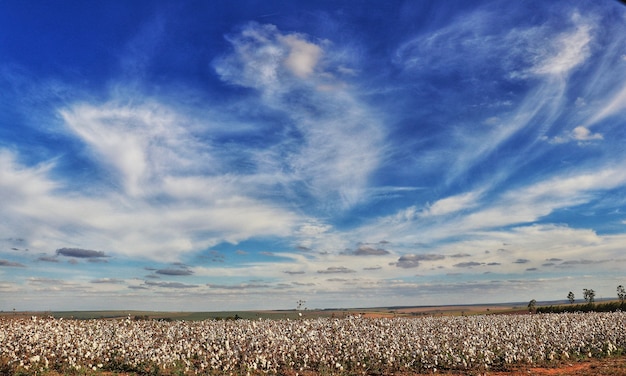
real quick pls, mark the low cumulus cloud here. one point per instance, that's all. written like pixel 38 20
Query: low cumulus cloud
pixel 80 253
pixel 366 250
pixel 107 281
pixel 336 270
pixel 243 286
pixel 97 260
pixel 579 134
pixel 373 268
pixel 293 272
pixel 48 259
pixel 303 284
pixel 578 262
pixel 468 264
pixel 521 261
pixel 11 264
pixel 413 261
pixel 46 281
pixel 174 271
pixel 170 285
pixel 574 263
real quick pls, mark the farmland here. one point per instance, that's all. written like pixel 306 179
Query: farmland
pixel 324 345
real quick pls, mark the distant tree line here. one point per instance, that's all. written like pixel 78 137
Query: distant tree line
pixel 589 306
pixel 601 307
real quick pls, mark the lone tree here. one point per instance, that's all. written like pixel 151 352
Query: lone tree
pixel 571 297
pixel 532 306
pixel 589 295
pixel 300 303
pixel 621 294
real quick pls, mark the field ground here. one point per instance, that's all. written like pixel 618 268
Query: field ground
pixel 453 310
pixel 612 366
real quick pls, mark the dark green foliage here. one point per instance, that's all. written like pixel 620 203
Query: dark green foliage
pixel 621 294
pixel 589 307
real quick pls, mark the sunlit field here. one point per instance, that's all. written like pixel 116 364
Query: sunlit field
pixel 334 346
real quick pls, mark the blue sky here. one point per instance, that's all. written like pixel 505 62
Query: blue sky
pixel 211 156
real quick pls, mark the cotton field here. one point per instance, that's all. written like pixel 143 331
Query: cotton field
pixel 352 345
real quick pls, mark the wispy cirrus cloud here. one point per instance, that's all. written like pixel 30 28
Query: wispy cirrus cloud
pixel 115 131
pixel 339 142
pixel 516 206
pixel 530 203
pixel 569 49
pixel 540 109
pixel 452 204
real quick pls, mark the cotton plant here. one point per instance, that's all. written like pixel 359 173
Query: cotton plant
pixel 352 345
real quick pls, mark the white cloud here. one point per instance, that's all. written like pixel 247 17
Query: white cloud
pixel 452 204
pixel 171 192
pixel 341 139
pixel 256 59
pixel 567 51
pixel 50 218
pixel 303 56
pixel 262 55
pixel 314 229
pixel 18 183
pixel 532 202
pixel 139 142
pixel 613 106
pixel 467 44
pixel 581 133
pixel 526 204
